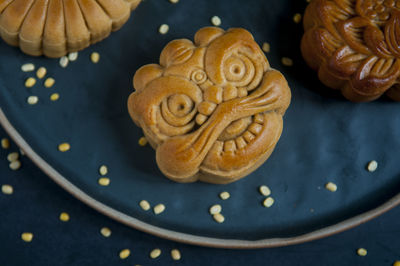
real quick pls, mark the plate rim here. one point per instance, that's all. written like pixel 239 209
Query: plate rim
pixel 186 238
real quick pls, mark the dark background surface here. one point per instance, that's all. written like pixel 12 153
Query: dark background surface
pixel 37 202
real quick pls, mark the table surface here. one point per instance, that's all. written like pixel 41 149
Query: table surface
pixel 37 202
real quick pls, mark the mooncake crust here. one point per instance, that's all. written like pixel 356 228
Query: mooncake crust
pixel 56 27
pixel 212 109
pixel 354 46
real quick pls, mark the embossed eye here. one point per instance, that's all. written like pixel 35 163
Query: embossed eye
pixel 199 76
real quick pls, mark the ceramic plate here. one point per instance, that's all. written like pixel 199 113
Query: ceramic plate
pixel 325 138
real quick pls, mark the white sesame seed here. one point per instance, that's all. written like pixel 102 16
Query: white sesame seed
pixel 215 209
pixel 286 61
pixel 155 253
pixel 15 165
pixel 54 97
pixel 142 141
pixel 28 67
pixel 104 181
pixel 64 217
pixel 32 100
pixel 27 237
pixel 264 190
pixel 331 186
pixel 145 205
pixel 30 82
pixel 63 147
pixel 219 218
pixel 216 21
pixel 41 72
pixel 105 231
pixel 224 195
pixel 95 57
pixel 49 82
pixel 175 254
pixel 5 143
pixel 64 61
pixel 266 47
pixel 268 202
pixel 297 18
pixel 362 252
pixel 13 156
pixel 123 254
pixel 159 208
pixel 372 166
pixel 103 170
pixel 163 29
pixel 73 56
pixel 7 189
pixel 174 1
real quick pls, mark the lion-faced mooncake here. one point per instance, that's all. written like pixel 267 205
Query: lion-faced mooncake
pixel 355 46
pixel 57 27
pixel 212 109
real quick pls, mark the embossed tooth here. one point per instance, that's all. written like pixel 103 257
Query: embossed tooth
pixel 229 146
pixel 218 146
pixel 240 142
pixel 213 94
pixel 200 119
pixel 230 92
pixel 242 92
pixel 206 108
pixel 259 118
pixel 248 136
pixel 255 128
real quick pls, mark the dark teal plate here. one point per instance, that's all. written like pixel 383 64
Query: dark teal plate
pixel 325 138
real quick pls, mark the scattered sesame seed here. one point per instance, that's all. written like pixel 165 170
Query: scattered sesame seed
pixel 215 209
pixel 219 218
pixel 155 253
pixel 41 72
pixel 30 82
pixel 266 47
pixel 64 61
pixel 224 195
pixel 286 61
pixel 331 186
pixel 63 147
pixel 163 29
pixel 5 143
pixel 73 56
pixel 175 254
pixel 55 96
pixel 95 57
pixel 372 166
pixel 159 208
pixel 7 189
pixel 142 141
pixel 145 205
pixel 105 231
pixel 264 190
pixel 216 21
pixel 104 181
pixel 103 170
pixel 15 165
pixel 32 100
pixel 396 263
pixel 64 217
pixel 268 202
pixel 297 18
pixel 13 156
pixel 123 254
pixel 362 252
pixel 49 82
pixel 27 237
pixel 174 1
pixel 28 67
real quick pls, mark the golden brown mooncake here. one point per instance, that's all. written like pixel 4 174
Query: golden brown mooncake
pixel 355 46
pixel 57 27
pixel 211 109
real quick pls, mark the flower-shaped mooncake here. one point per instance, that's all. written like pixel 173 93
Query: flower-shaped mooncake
pixel 355 46
pixel 57 27
pixel 212 109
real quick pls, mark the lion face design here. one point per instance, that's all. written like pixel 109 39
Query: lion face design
pixel 212 109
